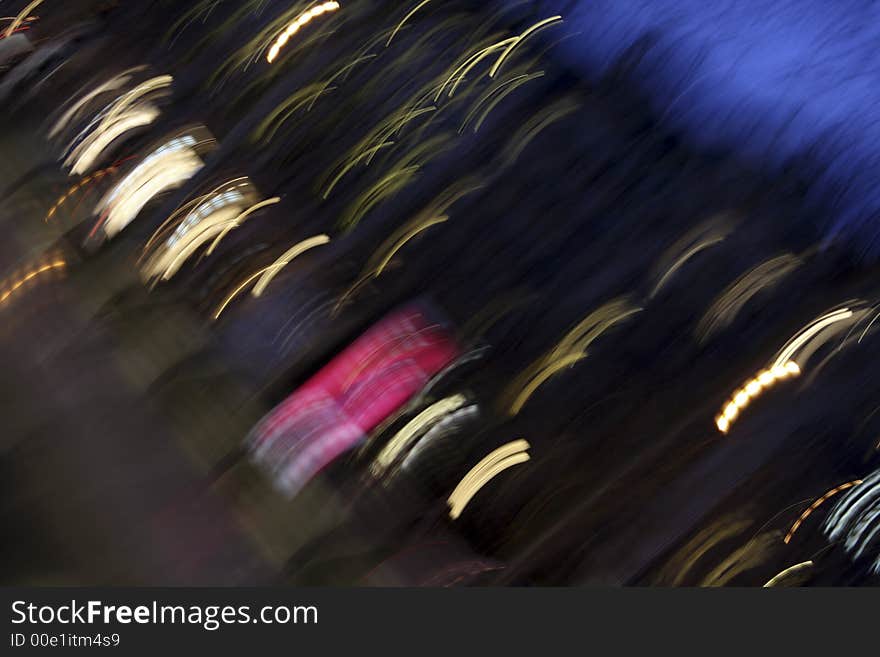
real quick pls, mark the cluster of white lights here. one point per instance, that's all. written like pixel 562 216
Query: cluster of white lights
pixel 165 168
pixel 203 211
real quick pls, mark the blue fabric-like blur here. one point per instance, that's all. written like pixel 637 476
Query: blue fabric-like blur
pixel 772 79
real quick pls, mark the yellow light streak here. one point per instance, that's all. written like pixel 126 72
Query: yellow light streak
pixel 788 571
pixel 405 19
pixel 571 349
pixel 111 85
pixel 496 462
pixel 753 388
pixel 815 505
pixel 735 296
pixel 284 260
pixel 541 378
pixel 810 332
pixel 250 279
pixel 241 217
pixel 406 238
pixel 75 188
pixel 500 92
pixel 469 63
pixel 58 264
pixel 89 150
pixel 130 97
pixel 413 428
pixel 298 23
pixel 540 25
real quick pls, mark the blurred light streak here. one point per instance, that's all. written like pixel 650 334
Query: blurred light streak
pixel 352 163
pixel 675 572
pixel 446 426
pixel 413 113
pixel 386 187
pixel 191 210
pixel 167 167
pixel 406 237
pixel 21 28
pixel 462 72
pixel 815 505
pixel 123 114
pixel 405 19
pixel 797 568
pixel 111 85
pixel 749 556
pixel 387 133
pixel 255 48
pixel 537 124
pixel 130 97
pixel 346 70
pixel 292 253
pixel 378 139
pixel 20 18
pixel 540 25
pixel 301 21
pixel 506 88
pixel 468 64
pixel 700 238
pixel 732 300
pixel 224 210
pixel 868 328
pixel 268 127
pixel 493 464
pixel 857 517
pixel 85 155
pixel 420 423
pixel 469 357
pixel 570 350
pixel 810 332
pixel 382 257
pixel 310 318
pixel 851 504
pixel 401 174
pixel 238 289
pixel 241 217
pixel 34 273
pixel 541 377
pixel 683 259
pixel 751 390
pixel 801 346
pixel 75 188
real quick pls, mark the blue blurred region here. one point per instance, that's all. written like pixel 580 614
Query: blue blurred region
pixel 778 81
